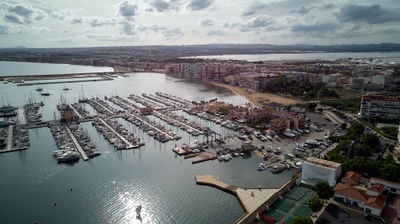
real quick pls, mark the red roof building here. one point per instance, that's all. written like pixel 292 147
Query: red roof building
pixel 364 193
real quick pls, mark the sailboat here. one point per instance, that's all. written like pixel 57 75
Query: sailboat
pixel 83 99
pixel 39 89
pixel 65 88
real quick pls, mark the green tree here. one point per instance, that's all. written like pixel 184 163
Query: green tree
pixel 343 126
pixel 323 189
pixel 369 139
pixel 315 204
pixel 302 220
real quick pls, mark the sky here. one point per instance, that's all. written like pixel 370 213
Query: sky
pixel 90 23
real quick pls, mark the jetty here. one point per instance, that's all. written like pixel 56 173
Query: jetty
pixel 10 137
pixel 77 145
pixel 129 144
pixel 152 126
pixel 170 119
pixel 21 115
pixel 75 111
pixel 253 200
pixel 10 142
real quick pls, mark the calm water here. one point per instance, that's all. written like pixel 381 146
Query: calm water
pixel 377 57
pixel 108 188
pixel 27 68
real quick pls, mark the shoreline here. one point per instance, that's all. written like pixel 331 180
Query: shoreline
pixel 256 97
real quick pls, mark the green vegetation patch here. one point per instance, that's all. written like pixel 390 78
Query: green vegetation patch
pixel 350 104
pixel 283 204
pixel 274 214
pixel 389 132
pixel 302 211
pixel 304 90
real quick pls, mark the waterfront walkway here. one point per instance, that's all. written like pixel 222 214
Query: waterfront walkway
pixel 253 200
pixel 77 145
pixel 129 145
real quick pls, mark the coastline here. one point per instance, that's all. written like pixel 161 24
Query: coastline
pixel 257 97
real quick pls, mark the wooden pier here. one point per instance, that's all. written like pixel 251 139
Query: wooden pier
pixel 77 145
pixel 130 146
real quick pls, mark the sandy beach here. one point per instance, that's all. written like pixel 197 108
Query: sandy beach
pixel 257 98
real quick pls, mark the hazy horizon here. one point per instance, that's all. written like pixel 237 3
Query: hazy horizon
pixel 38 24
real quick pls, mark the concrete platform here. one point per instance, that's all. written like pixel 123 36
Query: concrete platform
pixel 253 200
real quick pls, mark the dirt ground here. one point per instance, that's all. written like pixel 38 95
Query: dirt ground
pixel 256 97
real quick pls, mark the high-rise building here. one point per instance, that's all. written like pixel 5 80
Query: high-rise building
pixel 380 107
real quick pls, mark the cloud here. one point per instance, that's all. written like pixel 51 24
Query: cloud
pixel 3 30
pixel 63 14
pixel 259 21
pixel 232 25
pixel 199 4
pixel 21 10
pixel 160 5
pixel 370 14
pixel 207 22
pixel 40 29
pixel 315 29
pixel 302 10
pixel 172 32
pixel 128 28
pixel 216 33
pixel 127 9
pixel 13 19
pixel 98 22
pixel 76 20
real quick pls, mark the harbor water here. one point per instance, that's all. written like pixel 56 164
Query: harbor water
pixel 108 188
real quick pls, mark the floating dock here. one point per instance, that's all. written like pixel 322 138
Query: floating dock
pixel 77 145
pixel 10 141
pixel 130 146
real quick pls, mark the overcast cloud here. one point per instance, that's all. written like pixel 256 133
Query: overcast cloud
pixel 71 23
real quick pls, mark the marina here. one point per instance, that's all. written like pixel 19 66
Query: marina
pixel 88 175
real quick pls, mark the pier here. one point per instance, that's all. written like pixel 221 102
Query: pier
pixel 253 200
pixel 129 145
pixel 180 123
pixel 119 101
pixel 77 145
pixel 21 115
pixel 10 137
pixel 10 142
pixel 76 112
pixel 154 127
pixel 102 106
